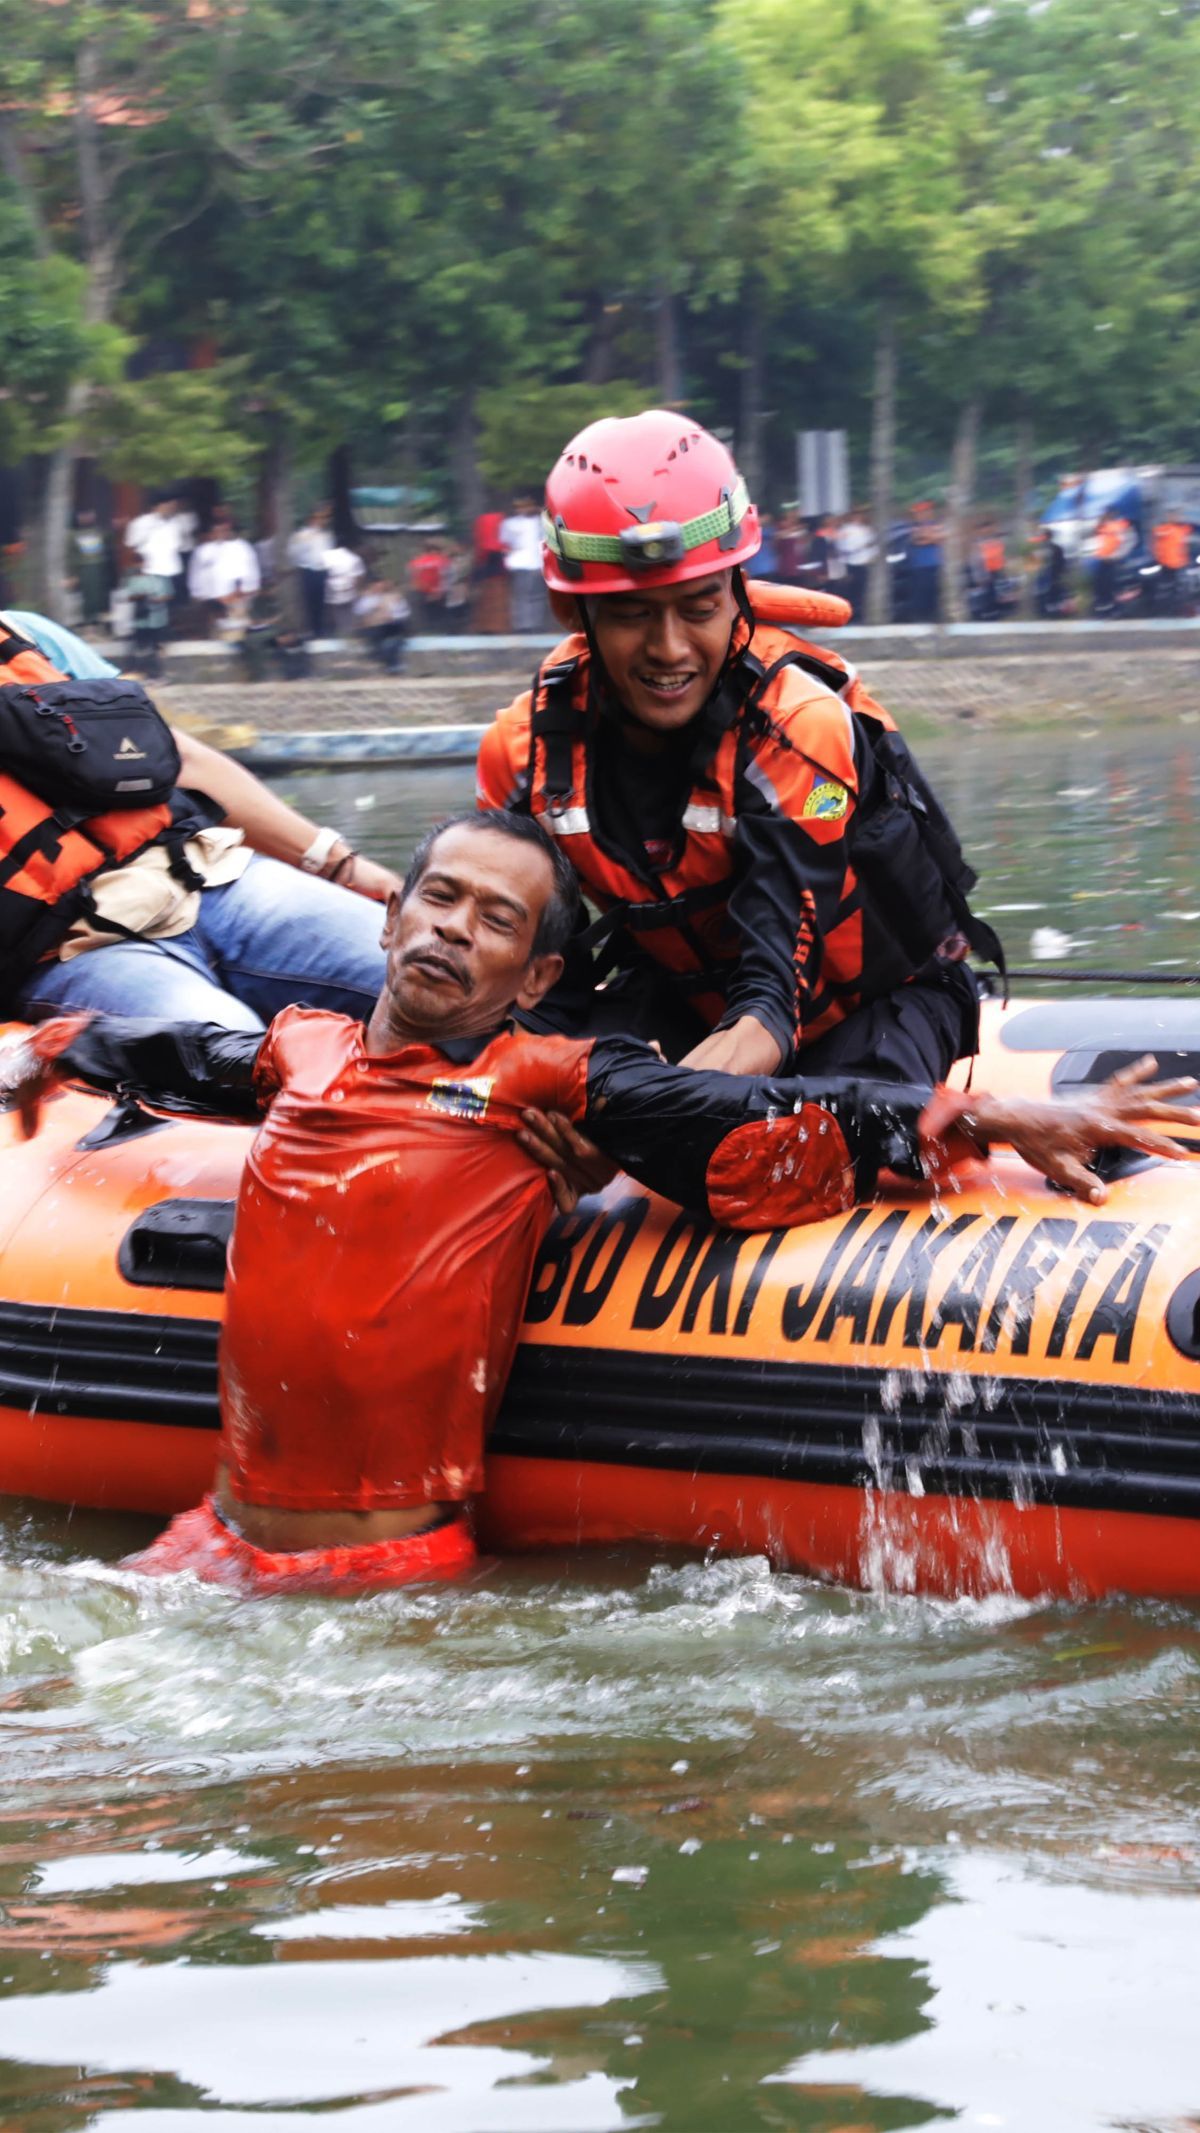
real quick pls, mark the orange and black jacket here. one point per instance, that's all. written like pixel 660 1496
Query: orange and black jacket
pixel 753 1151
pixel 752 890
pixel 50 855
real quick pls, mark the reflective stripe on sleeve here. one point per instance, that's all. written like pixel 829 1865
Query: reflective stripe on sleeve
pixel 708 821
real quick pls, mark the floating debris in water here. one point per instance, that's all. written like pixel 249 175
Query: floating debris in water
pixel 1046 944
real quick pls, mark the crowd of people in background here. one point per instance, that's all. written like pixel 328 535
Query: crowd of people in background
pixel 172 572
pixel 1117 569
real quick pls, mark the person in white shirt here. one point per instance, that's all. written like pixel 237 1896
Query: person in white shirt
pixel 223 575
pixel 157 539
pixel 308 552
pixel 521 536
pixel 856 547
pixel 344 573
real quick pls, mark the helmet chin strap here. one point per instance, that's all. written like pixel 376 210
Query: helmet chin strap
pixel 605 694
pixel 742 600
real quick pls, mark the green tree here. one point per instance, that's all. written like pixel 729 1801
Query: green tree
pixel 92 141
pixel 861 125
pixel 523 427
pixel 1078 188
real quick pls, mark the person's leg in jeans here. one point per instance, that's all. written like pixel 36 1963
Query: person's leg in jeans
pixel 529 600
pixel 277 936
pixel 167 981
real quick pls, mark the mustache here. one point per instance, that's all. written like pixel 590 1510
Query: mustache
pixel 444 961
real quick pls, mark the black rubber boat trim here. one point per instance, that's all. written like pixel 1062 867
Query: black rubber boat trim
pixel 1028 1440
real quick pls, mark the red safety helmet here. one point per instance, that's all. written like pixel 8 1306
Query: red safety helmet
pixel 644 500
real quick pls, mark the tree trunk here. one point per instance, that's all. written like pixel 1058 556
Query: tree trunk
pixel 57 499
pixel 339 479
pixel 883 461
pixel 101 261
pixel 468 481
pixel 958 511
pixel 34 591
pixel 1021 529
pixel 666 334
pixel 597 368
pixel 277 484
pixel 752 394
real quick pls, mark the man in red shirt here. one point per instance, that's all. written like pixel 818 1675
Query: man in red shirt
pixel 392 1204
pixel 427 574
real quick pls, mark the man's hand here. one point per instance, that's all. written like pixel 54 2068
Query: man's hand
pixel 1060 1138
pixel 575 1164
pixel 29 1067
pixel 746 1047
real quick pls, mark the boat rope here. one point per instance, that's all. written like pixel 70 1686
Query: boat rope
pixel 1044 976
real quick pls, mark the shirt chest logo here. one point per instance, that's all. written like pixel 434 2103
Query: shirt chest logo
pixel 826 802
pixel 462 1099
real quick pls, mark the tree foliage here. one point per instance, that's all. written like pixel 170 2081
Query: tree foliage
pixel 441 231
pixel 523 426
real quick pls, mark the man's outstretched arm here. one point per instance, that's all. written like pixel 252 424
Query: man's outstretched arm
pixel 759 1152
pixel 191 1066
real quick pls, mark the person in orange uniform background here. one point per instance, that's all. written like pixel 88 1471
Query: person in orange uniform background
pixel 1111 541
pixel 391 1207
pixel 992 565
pixel 729 794
pixel 1172 545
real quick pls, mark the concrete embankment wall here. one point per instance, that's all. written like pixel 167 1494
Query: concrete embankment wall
pixel 1008 674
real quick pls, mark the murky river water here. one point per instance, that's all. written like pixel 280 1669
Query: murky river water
pixel 616 1842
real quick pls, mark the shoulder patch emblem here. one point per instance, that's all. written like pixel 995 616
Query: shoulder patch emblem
pixel 461 1099
pixel 827 802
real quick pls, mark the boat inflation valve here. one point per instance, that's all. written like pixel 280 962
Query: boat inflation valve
pixel 180 1244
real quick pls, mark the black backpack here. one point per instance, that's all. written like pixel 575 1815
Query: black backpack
pixel 87 747
pixel 905 849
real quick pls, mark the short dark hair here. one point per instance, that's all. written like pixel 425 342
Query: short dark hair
pixel 557 922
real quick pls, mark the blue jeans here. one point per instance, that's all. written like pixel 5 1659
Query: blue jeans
pixel 273 937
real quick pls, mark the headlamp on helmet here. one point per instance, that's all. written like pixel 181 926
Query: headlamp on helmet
pixel 657 545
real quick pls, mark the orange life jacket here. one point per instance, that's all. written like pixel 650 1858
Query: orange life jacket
pixel 48 856
pixel 991 555
pixel 1110 538
pixel 678 914
pixel 803 725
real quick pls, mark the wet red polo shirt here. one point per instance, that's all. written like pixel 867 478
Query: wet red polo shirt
pixel 388 1207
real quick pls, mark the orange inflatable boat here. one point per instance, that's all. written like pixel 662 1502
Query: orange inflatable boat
pixel 999 1389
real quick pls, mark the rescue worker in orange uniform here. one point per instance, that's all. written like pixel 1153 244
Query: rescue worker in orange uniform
pixel 1172 545
pixel 779 881
pixel 393 1190
pixel 1112 539
pixel 992 563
